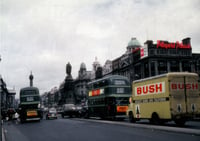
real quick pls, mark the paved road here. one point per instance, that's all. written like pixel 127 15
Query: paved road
pixel 86 130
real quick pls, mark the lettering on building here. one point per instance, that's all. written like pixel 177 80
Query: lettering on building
pixel 161 44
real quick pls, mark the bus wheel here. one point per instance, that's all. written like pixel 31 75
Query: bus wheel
pixel 130 117
pixel 22 120
pixel 180 122
pixel 155 119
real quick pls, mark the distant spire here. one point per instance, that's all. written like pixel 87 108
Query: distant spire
pixel 31 79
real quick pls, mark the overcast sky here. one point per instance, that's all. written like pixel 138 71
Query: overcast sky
pixel 42 36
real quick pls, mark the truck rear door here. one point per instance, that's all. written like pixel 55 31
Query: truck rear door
pixel 184 94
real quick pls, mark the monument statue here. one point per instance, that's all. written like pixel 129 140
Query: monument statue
pixel 68 69
pixel 67 87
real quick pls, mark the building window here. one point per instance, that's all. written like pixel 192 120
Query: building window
pixel 172 51
pixel 153 69
pixel 152 52
pixel 146 69
pixel 186 66
pixel 174 66
pixel 185 52
pixel 162 67
pixel 161 51
pixel 137 72
pixel 198 66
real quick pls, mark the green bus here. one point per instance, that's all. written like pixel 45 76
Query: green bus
pixel 108 97
pixel 29 104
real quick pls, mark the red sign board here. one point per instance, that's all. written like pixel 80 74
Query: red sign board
pixel 161 44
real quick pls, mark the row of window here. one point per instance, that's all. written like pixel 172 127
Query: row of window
pixel 161 67
pixel 97 101
pixel 109 100
pixel 170 52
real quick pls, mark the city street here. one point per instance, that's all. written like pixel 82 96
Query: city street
pixel 73 129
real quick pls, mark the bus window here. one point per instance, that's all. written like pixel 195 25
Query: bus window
pixel 29 92
pixel 118 90
pixel 119 82
pixel 122 100
pixel 110 100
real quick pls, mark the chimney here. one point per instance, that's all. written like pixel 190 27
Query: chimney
pixel 186 41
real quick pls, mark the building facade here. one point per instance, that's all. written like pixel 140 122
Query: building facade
pixel 7 98
pixel 107 68
pixel 156 58
pixel 4 93
pixel 81 81
pixel 123 65
pixel 11 98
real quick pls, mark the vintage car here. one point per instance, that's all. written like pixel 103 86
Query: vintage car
pixel 71 110
pixel 51 114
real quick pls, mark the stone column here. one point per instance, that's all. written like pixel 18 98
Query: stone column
pixel 149 65
pixel 168 66
pixel 156 67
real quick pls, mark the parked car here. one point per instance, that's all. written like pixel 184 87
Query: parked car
pixel 51 114
pixel 71 110
pixel 59 110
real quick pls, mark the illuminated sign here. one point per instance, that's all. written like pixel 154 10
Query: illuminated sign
pixel 144 51
pixel 96 92
pixel 161 44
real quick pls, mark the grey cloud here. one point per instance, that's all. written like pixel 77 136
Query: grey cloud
pixel 43 36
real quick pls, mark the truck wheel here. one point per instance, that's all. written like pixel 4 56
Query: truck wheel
pixel 22 120
pixel 131 117
pixel 155 119
pixel 180 122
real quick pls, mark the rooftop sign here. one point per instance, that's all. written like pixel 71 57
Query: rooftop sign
pixel 177 45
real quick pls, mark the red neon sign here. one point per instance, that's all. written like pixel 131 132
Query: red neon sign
pixel 161 44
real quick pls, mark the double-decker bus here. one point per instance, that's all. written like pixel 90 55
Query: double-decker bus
pixel 29 104
pixel 108 97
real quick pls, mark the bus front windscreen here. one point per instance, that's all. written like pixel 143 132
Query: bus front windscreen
pixel 119 82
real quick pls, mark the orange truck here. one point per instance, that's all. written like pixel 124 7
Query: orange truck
pixel 167 97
